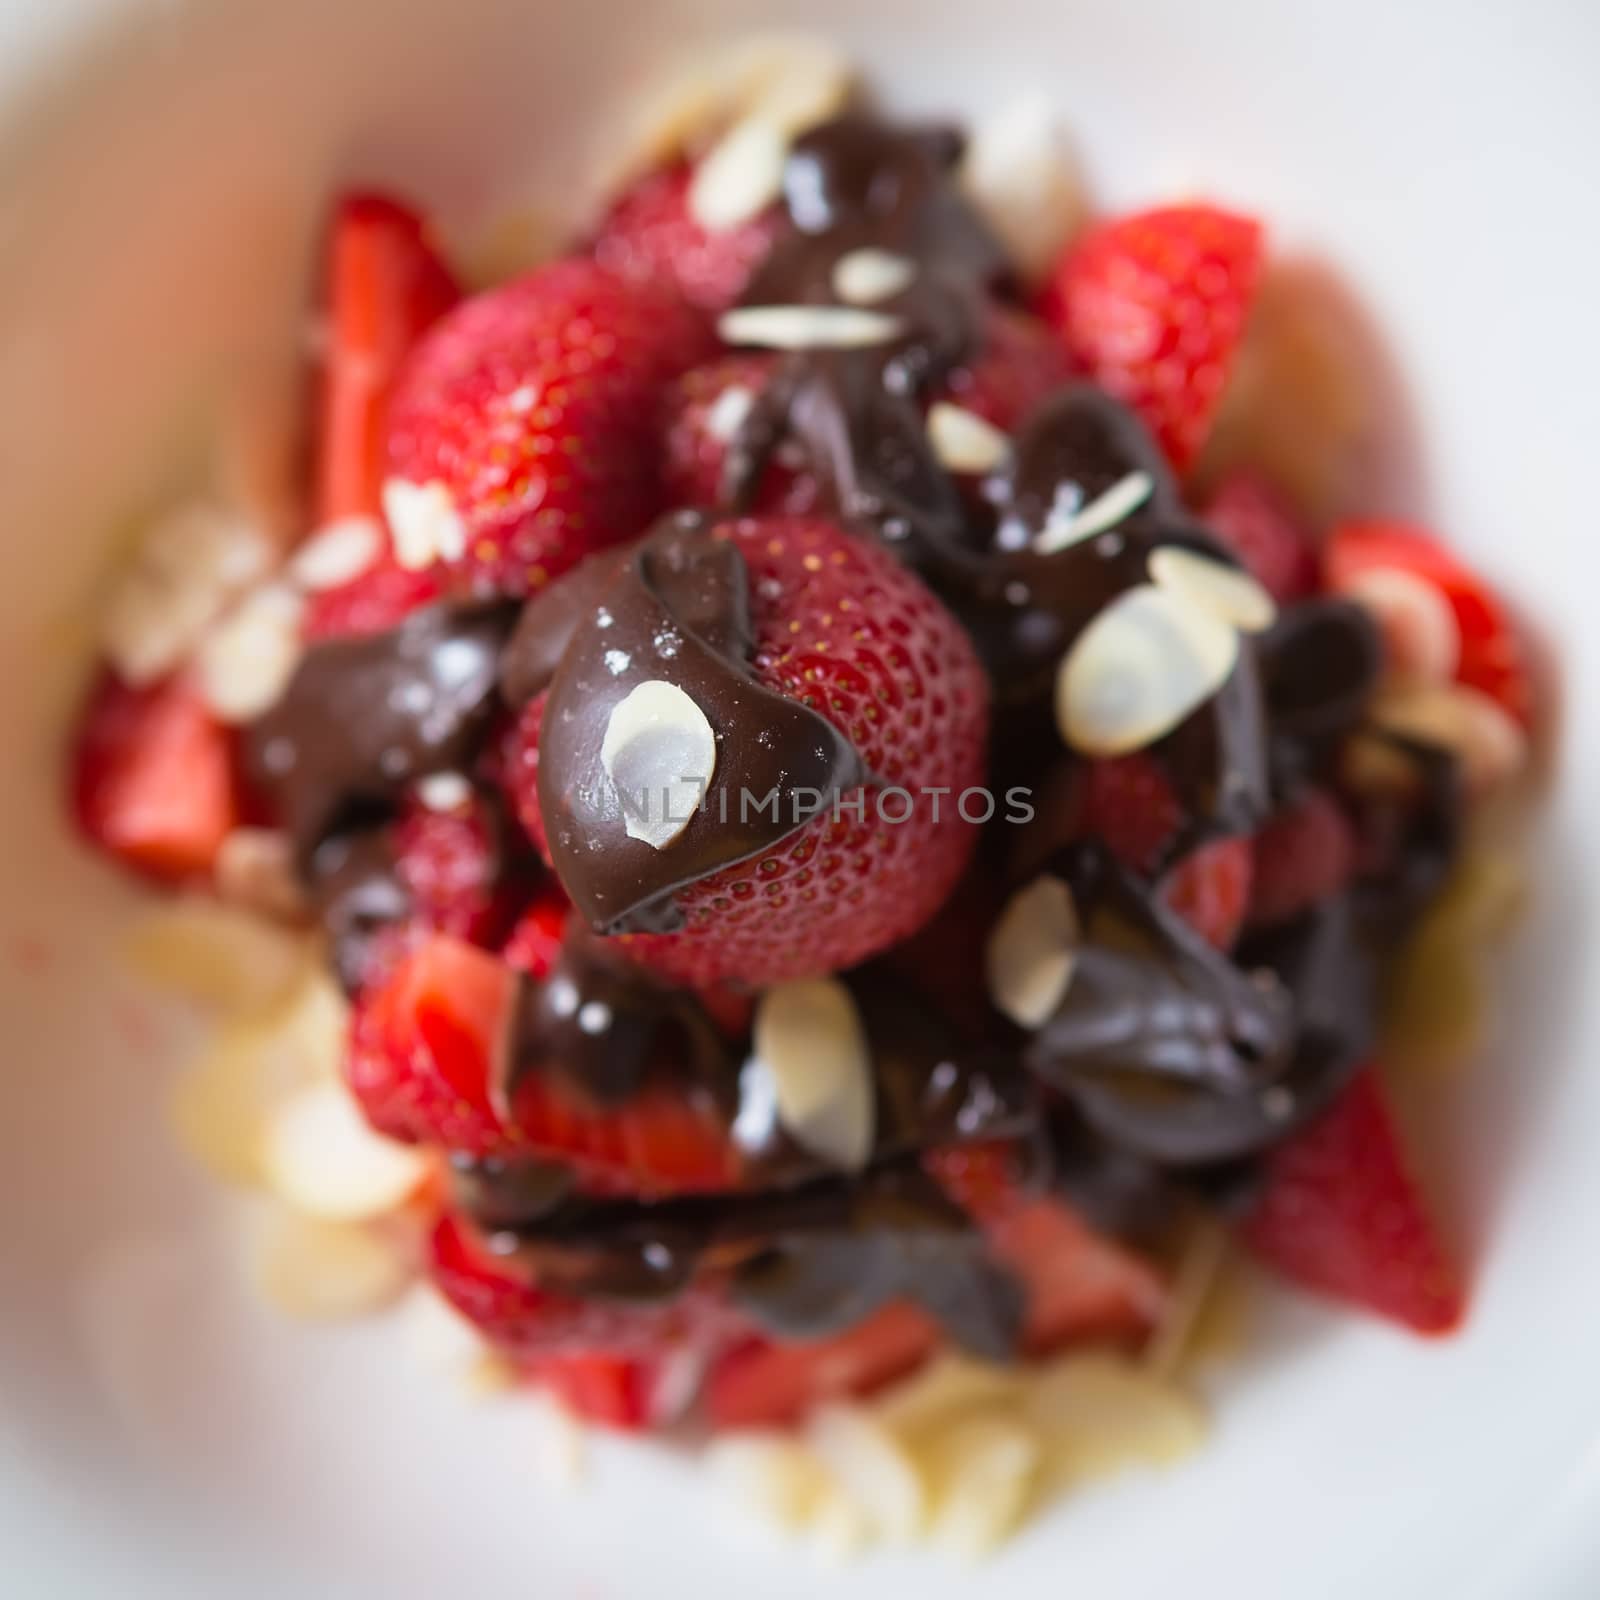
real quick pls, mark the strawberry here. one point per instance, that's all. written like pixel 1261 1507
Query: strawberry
pixel 535 941
pixel 1153 307
pixel 1254 521
pixel 984 1178
pixel 1340 1214
pixel 381 598
pixel 649 236
pixel 421 1057
pixel 842 627
pixel 609 1390
pixel 504 1300
pixel 1493 658
pixel 153 779
pixel 1305 854
pixel 1210 889
pixel 766 1384
pixel 1130 807
pixel 384 286
pixel 535 406
pixel 702 410
pixel 1021 363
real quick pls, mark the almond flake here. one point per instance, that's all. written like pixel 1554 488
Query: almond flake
pixel 866 276
pixel 880 1476
pixel 775 1477
pixel 444 791
pixel 985 1469
pixel 337 554
pixel 965 442
pixel 660 752
pixel 1019 174
pixel 255 871
pixel 1141 666
pixel 1032 951
pixel 317 1270
pixel 1421 637
pixel 741 177
pixel 187 569
pixel 320 1156
pixel 423 523
pixel 220 956
pixel 809 1035
pixel 1104 512
pixel 1101 1413
pixel 246 661
pixel 729 412
pixel 1226 591
pixel 1485 738
pixel 808 327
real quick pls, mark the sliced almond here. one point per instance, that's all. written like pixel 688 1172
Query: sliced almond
pixel 984 1470
pixel 1144 664
pixel 221 956
pixel 864 277
pixel 660 752
pixel 941 1394
pixel 444 791
pixel 775 1476
pixel 810 1036
pixel 1064 528
pixel 1032 950
pixel 1100 1413
pixel 729 412
pixel 319 1271
pixel 1019 174
pixel 1421 637
pixel 1489 743
pixel 255 871
pixel 186 570
pixel 881 1477
pixel 320 1155
pixel 246 661
pixel 1228 592
pixel 1204 1252
pixel 808 327
pixel 423 523
pixel 741 177
pixel 965 442
pixel 337 554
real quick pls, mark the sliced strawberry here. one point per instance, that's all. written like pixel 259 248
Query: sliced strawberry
pixel 1260 527
pixel 1021 363
pixel 1153 306
pixel 766 1384
pixel 1340 1214
pixel 1304 855
pixel 1493 658
pixel 501 1296
pixel 650 236
pixel 659 1141
pixel 983 1178
pixel 1210 889
pixel 153 777
pixel 380 599
pixel 608 1390
pixel 535 942
pixel 385 285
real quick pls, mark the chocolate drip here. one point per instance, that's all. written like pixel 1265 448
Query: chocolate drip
pixel 363 717
pixel 679 610
pixel 358 893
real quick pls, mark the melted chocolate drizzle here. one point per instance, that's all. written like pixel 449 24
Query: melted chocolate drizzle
pixel 679 609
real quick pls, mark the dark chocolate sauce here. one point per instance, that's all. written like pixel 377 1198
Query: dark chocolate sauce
pixel 679 610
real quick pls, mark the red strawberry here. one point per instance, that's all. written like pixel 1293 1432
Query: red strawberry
pixel 1210 889
pixel 381 598
pixel 385 285
pixel 449 862
pixel 535 941
pixel 611 1391
pixel 983 1178
pixel 1493 658
pixel 1153 306
pixel 1340 1214
pixel 1304 855
pixel 840 626
pixel 702 410
pixel 649 236
pixel 535 405
pixel 1021 364
pixel 765 1384
pixel 1255 522
pixel 153 777
pixel 1130 806
pixel 504 1300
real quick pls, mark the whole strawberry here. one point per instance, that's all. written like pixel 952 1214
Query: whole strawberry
pixel 841 627
pixel 1153 307
pixel 522 433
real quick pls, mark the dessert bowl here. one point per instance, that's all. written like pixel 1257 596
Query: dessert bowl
pixel 166 170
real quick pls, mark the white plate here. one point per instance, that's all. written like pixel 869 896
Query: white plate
pixel 160 1434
